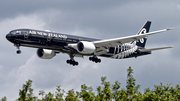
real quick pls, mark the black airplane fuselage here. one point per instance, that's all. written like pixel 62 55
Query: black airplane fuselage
pixel 59 42
pixel 51 43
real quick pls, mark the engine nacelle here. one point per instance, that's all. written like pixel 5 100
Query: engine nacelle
pixel 45 53
pixel 86 47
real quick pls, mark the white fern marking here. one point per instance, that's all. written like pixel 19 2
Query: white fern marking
pixel 126 52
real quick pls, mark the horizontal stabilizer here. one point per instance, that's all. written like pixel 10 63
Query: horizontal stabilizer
pixel 152 49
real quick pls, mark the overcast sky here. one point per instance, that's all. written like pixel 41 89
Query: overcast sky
pixel 92 18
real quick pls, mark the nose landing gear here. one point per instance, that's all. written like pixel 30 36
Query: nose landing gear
pixel 18 47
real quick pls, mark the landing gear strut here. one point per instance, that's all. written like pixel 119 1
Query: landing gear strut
pixel 18 51
pixel 72 61
pixel 94 59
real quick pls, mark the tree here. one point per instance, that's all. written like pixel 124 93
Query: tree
pixel 105 92
pixel 3 99
pixel 132 89
pixel 26 94
pixel 49 97
pixel 86 93
pixel 41 92
pixel 72 96
pixel 59 93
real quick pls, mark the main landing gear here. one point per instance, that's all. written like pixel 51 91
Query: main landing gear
pixel 94 59
pixel 72 61
pixel 18 51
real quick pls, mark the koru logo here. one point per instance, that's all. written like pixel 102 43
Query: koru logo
pixel 143 31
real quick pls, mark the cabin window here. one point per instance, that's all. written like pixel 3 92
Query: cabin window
pixel 24 32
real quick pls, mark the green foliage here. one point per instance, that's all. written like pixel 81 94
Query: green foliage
pixel 3 99
pixel 26 94
pixel 41 92
pixel 59 94
pixel 86 93
pixel 105 92
pixel 72 96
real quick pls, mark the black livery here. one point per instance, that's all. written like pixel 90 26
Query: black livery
pixel 50 43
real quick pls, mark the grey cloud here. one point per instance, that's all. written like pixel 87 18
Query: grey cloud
pixel 112 22
pixel 92 19
pixel 11 8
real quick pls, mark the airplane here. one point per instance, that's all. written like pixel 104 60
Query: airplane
pixel 51 43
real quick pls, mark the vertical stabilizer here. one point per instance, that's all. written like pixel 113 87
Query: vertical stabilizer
pixel 143 30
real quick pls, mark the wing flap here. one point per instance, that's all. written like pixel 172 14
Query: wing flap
pixel 153 49
pixel 119 41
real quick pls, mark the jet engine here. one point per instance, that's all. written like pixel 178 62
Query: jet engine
pixel 86 47
pixel 45 53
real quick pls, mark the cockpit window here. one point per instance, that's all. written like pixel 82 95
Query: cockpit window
pixel 13 32
pixel 19 32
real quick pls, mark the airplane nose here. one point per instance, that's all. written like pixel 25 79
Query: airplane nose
pixel 8 36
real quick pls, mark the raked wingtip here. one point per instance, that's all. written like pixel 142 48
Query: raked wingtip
pixel 170 28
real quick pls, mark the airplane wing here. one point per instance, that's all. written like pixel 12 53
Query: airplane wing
pixel 119 41
pixel 152 49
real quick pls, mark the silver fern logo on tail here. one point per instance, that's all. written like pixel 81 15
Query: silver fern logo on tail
pixel 143 31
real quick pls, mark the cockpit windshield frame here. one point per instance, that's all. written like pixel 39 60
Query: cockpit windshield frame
pixel 19 32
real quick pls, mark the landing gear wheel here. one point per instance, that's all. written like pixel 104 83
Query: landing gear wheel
pixel 68 61
pixel 76 63
pixel 94 59
pixel 18 48
pixel 18 51
pixel 99 60
pixel 72 62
